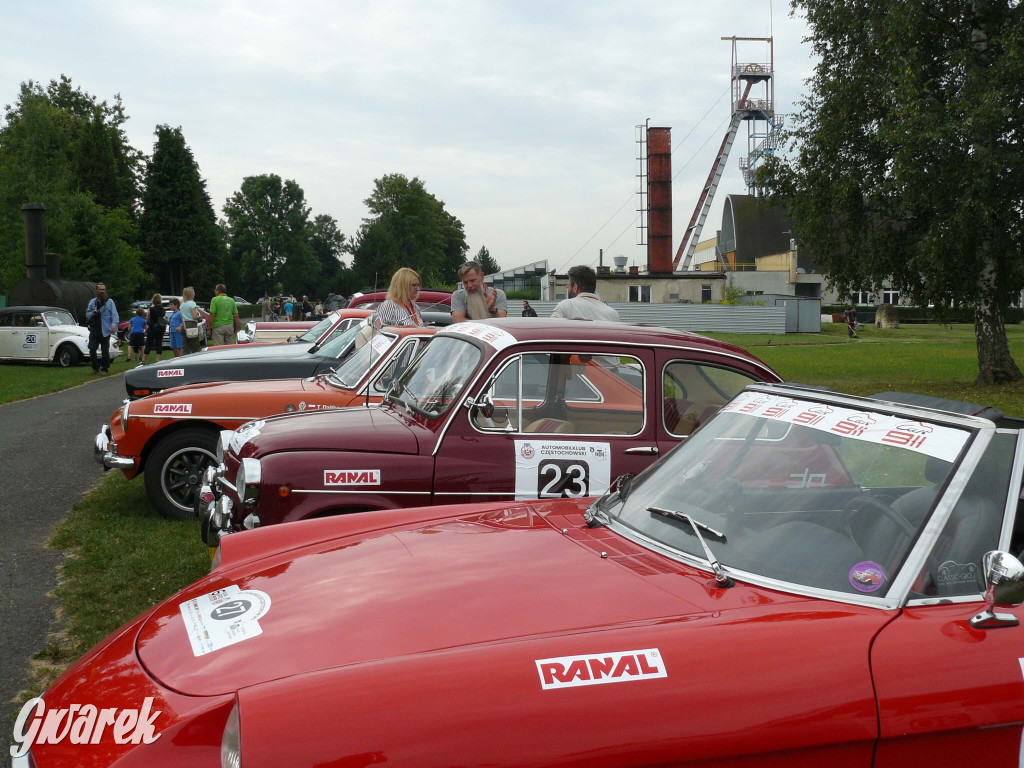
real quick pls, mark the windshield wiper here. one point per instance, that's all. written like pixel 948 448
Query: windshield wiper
pixel 596 514
pixel 696 526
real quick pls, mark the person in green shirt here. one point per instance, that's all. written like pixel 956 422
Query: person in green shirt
pixel 225 317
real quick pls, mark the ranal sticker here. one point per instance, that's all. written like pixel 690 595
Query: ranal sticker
pixel 181 408
pixel 550 469
pixel 167 372
pixel 600 668
pixel 224 617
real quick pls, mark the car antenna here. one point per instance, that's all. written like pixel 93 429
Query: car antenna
pixel 373 332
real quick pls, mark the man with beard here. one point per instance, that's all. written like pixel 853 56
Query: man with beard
pixel 475 300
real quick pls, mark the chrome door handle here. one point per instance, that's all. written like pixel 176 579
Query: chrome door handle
pixel 647 450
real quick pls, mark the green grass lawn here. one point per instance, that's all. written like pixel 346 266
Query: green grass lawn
pixel 19 381
pixel 123 557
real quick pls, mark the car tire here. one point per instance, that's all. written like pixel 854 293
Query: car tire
pixel 174 471
pixel 67 356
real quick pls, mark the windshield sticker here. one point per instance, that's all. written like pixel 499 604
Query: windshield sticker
pixel 899 431
pixel 163 374
pixel 488 334
pixel 223 618
pixel 546 469
pixel 867 576
pixel 379 344
pixel 600 668
pixel 334 477
pixel 244 434
pixel 957 574
pixel 172 408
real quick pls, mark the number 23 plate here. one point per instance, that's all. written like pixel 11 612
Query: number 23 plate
pixel 549 469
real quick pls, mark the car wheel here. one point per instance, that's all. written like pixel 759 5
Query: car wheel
pixel 174 471
pixel 68 356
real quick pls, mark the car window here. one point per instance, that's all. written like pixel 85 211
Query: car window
pixel 397 365
pixel 59 317
pixel 562 393
pixel 7 320
pixel 954 567
pixel 692 393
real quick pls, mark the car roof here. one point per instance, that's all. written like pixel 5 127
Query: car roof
pixel 34 308
pixel 549 329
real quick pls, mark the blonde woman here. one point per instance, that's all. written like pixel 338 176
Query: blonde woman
pixel 399 308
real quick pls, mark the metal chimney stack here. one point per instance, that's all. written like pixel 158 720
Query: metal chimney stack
pixel 35 240
pixel 659 195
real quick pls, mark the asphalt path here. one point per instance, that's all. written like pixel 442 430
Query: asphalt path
pixel 46 466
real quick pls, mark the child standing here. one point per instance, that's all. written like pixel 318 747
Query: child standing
pixel 177 327
pixel 137 335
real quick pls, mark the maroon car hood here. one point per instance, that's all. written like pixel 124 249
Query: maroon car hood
pixel 452 583
pixel 370 430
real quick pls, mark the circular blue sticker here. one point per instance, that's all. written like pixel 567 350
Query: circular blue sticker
pixel 867 576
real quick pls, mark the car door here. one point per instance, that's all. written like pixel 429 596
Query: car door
pixel 948 691
pixel 31 338
pixel 564 423
pixel 7 334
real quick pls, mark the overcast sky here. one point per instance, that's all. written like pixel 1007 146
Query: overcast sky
pixel 519 115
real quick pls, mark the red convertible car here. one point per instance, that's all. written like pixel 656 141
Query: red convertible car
pixel 501 409
pixel 170 437
pixel 711 611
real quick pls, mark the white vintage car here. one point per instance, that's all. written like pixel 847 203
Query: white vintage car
pixel 49 334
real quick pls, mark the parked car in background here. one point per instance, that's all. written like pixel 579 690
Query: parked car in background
pixel 272 332
pixel 428 300
pixel 810 579
pixel 171 437
pixel 124 327
pixel 248 361
pixel 494 410
pixel 45 334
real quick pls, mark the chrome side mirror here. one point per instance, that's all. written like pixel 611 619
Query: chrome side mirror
pixel 1004 588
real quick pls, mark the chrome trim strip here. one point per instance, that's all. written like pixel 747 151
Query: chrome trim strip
pixel 958 599
pixel 366 491
pixel 1013 496
pixel 174 417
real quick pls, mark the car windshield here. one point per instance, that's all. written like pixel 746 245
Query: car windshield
pixel 796 491
pixel 367 354
pixel 317 330
pixel 340 345
pixel 59 317
pixel 433 382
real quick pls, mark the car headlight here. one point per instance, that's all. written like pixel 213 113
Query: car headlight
pixel 247 481
pixel 231 741
pixel 223 441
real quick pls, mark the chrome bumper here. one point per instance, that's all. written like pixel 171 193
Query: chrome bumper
pixel 105 451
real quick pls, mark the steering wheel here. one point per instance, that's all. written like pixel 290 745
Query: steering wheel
pixel 861 504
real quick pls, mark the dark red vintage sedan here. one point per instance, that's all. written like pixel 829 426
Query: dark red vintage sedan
pixel 502 409
pixel 811 579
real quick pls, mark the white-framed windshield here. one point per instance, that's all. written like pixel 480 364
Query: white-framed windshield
pixel 813 494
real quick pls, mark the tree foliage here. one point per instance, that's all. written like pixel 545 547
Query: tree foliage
pixel 62 147
pixel 484 259
pixel 180 239
pixel 407 227
pixel 909 162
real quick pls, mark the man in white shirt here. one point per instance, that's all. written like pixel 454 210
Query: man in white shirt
pixel 583 303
